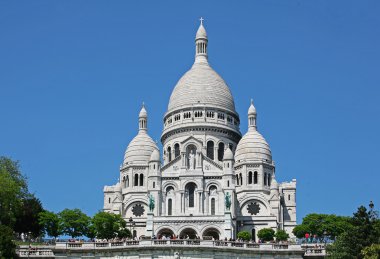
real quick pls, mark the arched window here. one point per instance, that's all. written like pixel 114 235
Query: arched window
pixel 109 200
pixel 288 197
pixel 176 150
pixel 269 179
pixel 241 179
pixel 141 179
pixel 169 207
pixel 220 151
pixel 265 179
pixel 210 149
pixel 237 179
pixel 154 184
pixel 228 183
pixel 250 178
pixel 127 181
pixel 190 188
pixel 169 154
pixel 255 177
pixel 213 206
pixel 136 180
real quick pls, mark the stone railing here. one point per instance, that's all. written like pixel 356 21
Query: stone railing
pixel 39 252
pixel 174 242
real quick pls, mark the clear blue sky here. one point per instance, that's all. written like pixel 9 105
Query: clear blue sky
pixel 73 75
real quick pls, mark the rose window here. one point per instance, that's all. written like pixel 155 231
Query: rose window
pixel 138 210
pixel 253 208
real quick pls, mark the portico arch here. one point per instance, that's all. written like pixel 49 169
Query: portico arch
pixel 165 231
pixel 189 232
pixel 211 232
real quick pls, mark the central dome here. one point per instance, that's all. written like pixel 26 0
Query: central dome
pixel 201 85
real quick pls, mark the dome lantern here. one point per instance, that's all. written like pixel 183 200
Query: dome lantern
pixel 201 44
pixel 143 118
pixel 252 116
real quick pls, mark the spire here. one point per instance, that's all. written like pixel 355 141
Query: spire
pixel 252 116
pixel 143 118
pixel 201 44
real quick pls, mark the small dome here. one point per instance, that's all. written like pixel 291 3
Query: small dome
pixel 155 156
pixel 228 155
pixel 201 33
pixel 140 149
pixel 252 109
pixel 252 147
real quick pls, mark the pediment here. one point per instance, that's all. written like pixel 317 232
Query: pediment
pixel 173 166
pixel 116 200
pixel 209 166
pixel 192 138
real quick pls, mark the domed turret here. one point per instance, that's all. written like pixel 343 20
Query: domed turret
pixel 141 147
pixel 253 146
pixel 155 157
pixel 228 155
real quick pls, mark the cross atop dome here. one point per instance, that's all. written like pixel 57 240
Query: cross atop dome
pixel 201 19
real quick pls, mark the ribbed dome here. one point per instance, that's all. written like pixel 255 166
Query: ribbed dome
pixel 201 85
pixel 140 149
pixel 252 147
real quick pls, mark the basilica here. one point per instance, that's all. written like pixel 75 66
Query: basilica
pixel 209 181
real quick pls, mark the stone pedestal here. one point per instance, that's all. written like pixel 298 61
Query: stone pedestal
pixel 228 227
pixel 149 224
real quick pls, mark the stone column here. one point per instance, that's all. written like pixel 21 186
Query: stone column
pixel 228 227
pixel 149 224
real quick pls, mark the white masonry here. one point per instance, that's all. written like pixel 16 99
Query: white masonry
pixel 205 159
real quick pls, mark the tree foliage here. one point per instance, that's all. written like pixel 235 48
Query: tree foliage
pixel 13 188
pixel 50 223
pixel 7 247
pixel 364 232
pixel 108 225
pixel 266 234
pixel 371 252
pixel 281 235
pixel 245 235
pixel 74 222
pixel 27 217
pixel 322 225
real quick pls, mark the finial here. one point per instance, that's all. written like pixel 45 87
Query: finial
pixel 251 101
pixel 143 104
pixel 201 19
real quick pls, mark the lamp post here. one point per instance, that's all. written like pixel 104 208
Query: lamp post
pixel 371 205
pixel 130 226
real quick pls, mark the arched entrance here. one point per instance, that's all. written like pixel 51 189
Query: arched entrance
pixel 188 233
pixel 165 232
pixel 253 235
pixel 211 233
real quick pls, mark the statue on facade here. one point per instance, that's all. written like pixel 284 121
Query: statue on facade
pixel 227 201
pixel 191 159
pixel 151 203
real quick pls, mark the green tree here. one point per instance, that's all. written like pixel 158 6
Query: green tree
pixel 50 223
pixel 363 233
pixel 266 234
pixel 13 188
pixel 108 225
pixel 27 216
pixel 7 246
pixel 245 235
pixel 281 235
pixel 371 252
pixel 74 222
pixel 322 225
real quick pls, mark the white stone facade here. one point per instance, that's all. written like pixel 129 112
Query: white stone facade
pixel 204 159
